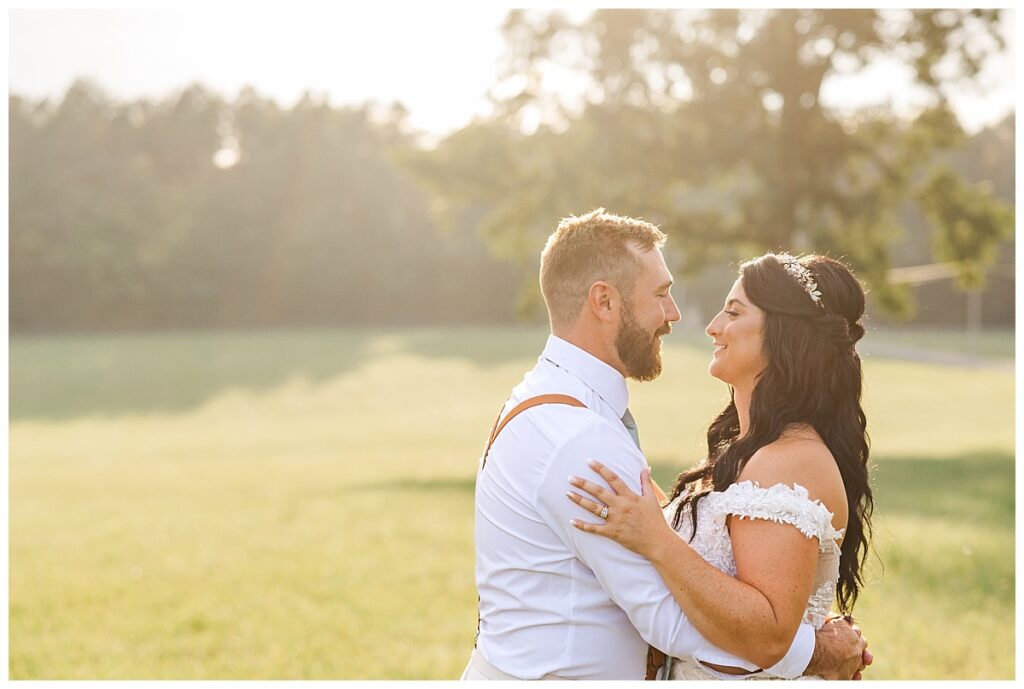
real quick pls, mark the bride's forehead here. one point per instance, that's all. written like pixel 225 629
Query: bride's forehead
pixel 737 289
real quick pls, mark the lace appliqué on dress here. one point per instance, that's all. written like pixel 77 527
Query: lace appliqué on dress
pixel 779 503
pixel 782 504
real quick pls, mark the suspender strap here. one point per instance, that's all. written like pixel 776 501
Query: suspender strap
pixel 521 407
pixel 497 428
pixel 655 659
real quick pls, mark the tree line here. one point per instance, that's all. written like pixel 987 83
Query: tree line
pixel 197 212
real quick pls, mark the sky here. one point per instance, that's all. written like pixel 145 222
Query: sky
pixel 438 62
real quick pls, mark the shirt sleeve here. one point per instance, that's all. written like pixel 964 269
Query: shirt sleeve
pixel 630 580
pixel 798 657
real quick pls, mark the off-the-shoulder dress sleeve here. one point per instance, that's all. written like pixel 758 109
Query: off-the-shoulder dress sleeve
pixel 783 504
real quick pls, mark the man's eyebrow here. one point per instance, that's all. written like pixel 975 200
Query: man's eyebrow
pixel 664 285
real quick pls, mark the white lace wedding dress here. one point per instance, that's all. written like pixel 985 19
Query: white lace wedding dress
pixel 779 503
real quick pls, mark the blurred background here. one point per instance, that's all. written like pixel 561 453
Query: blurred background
pixel 273 272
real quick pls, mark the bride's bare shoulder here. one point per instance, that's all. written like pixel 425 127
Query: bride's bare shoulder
pixel 799 456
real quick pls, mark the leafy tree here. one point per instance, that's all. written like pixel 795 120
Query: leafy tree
pixel 711 124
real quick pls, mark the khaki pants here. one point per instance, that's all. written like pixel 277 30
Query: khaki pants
pixel 480 669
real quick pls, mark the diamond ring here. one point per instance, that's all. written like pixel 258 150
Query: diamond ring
pixel 603 514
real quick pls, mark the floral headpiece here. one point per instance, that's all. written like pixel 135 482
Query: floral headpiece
pixel 803 276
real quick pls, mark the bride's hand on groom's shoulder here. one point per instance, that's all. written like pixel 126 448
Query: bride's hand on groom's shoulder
pixel 634 521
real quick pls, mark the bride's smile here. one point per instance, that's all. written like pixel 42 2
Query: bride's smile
pixel 735 332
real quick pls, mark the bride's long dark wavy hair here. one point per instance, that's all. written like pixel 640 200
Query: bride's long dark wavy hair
pixel 812 376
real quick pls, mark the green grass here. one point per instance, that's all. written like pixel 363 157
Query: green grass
pixel 300 504
pixel 996 343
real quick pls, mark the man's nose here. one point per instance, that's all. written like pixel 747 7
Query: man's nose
pixel 673 315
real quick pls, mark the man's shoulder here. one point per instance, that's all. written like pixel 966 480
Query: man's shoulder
pixel 547 381
pixel 565 425
pixel 554 422
pixel 557 418
pixel 558 425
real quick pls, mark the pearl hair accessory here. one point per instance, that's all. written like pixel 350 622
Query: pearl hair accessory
pixel 803 276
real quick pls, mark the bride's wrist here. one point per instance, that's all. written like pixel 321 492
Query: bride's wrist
pixel 660 545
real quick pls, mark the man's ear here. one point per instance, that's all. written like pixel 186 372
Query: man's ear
pixel 603 300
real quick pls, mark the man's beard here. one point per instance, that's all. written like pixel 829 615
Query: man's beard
pixel 639 351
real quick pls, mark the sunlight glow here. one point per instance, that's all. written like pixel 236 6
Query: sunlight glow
pixel 439 63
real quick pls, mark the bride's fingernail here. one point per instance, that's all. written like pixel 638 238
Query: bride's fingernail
pixel 574 480
pixel 592 463
pixel 569 494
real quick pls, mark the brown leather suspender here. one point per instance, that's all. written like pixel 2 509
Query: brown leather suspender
pixel 655 658
pixel 497 428
pixel 521 407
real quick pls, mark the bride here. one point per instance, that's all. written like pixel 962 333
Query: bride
pixel 782 501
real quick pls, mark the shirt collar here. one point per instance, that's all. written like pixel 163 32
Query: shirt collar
pixel 596 374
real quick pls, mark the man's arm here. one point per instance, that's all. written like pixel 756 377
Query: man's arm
pixel 630 580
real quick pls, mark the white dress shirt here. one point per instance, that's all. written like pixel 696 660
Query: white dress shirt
pixel 556 600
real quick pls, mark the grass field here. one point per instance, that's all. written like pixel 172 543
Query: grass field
pixel 300 504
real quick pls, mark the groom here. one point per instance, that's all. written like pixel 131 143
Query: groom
pixel 555 602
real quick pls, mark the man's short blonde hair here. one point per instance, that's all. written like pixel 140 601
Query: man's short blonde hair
pixel 588 248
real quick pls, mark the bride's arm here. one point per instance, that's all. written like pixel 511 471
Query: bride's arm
pixel 762 607
pixel 754 615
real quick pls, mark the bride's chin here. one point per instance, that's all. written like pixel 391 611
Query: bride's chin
pixel 715 370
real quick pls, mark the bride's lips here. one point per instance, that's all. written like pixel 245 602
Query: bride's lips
pixel 719 348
